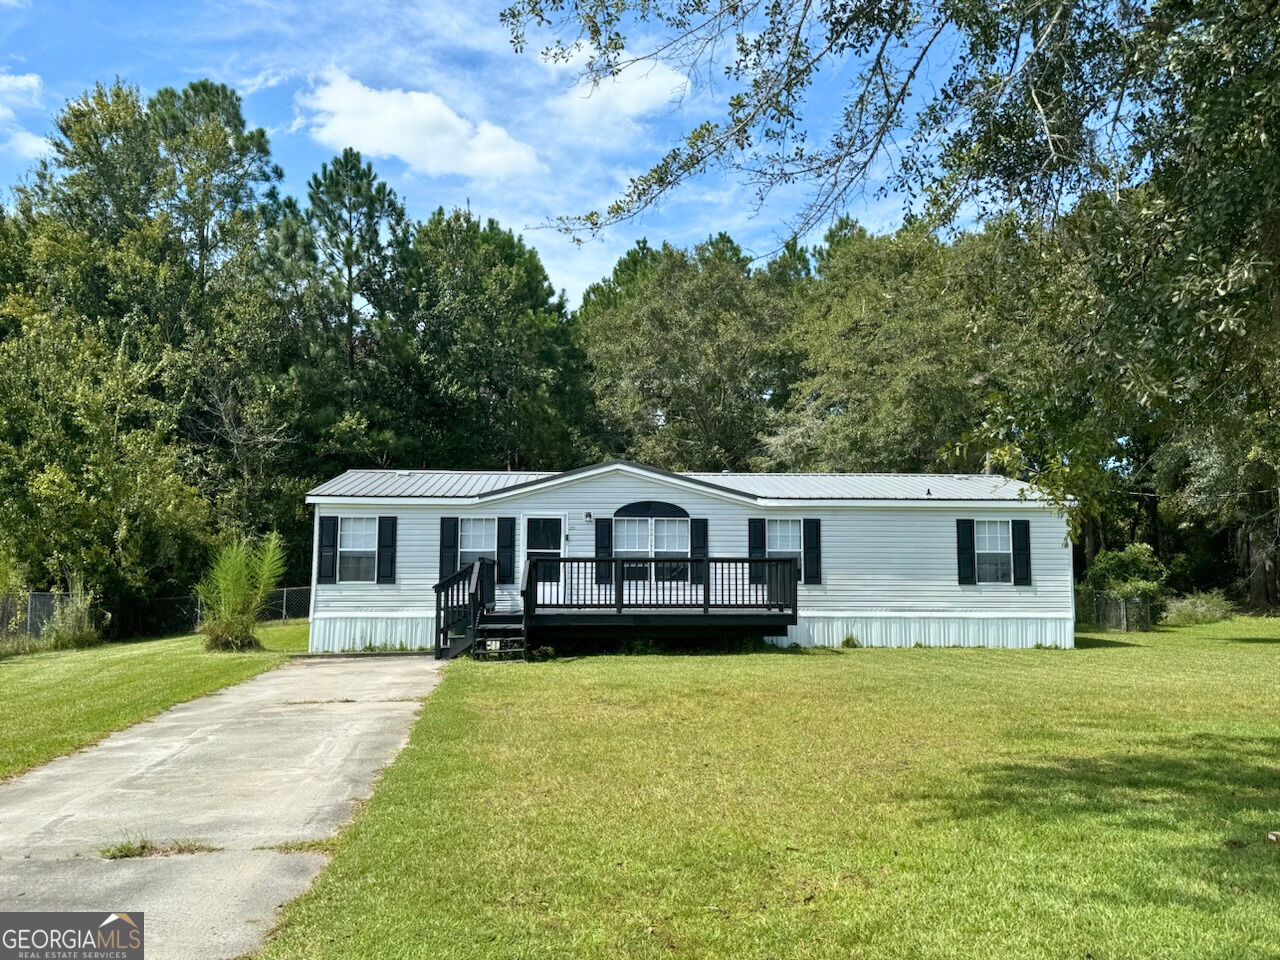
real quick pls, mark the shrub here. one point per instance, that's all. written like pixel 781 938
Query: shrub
pixel 1136 563
pixel 1197 608
pixel 1133 575
pixel 75 621
pixel 235 591
pixel 850 642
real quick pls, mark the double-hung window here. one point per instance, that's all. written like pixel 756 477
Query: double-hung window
pixel 631 539
pixel 357 549
pixel 785 538
pixel 993 550
pixel 477 537
pixel 670 540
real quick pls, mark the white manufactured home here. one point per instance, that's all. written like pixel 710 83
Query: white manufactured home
pixel 493 561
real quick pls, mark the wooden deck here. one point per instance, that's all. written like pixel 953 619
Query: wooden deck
pixel 700 597
pixel 672 597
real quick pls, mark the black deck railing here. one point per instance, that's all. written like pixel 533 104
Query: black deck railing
pixel 655 583
pixel 460 599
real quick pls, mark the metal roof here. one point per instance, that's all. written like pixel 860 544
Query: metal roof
pixel 766 486
pixel 422 483
pixel 871 486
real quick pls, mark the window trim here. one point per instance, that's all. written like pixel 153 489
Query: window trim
pixel 798 555
pixel 339 551
pixel 463 518
pixel 979 554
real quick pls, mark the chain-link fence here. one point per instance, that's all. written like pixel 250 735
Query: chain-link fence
pixel 1109 612
pixel 26 614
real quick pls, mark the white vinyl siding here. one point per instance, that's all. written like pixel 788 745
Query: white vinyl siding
pixel 993 548
pixel 357 549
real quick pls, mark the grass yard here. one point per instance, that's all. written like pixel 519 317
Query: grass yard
pixel 55 703
pixel 1108 802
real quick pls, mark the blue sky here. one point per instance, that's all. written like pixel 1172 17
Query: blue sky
pixel 431 92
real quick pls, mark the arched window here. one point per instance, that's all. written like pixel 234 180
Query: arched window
pixel 651 528
pixel 651 508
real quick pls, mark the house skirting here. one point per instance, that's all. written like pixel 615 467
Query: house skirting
pixel 354 632
pixel 902 629
pixel 415 630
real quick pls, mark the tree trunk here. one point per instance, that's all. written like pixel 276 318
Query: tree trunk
pixel 1264 590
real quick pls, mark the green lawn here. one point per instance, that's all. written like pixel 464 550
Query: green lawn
pixel 1108 802
pixel 54 703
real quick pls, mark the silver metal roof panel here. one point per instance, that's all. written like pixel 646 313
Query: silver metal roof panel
pixel 422 483
pixel 871 486
pixel 766 486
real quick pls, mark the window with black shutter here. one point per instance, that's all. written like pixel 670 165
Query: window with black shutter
pixel 327 561
pixel 506 559
pixel 448 546
pixel 386 561
pixel 756 548
pixel 812 551
pixel 1022 553
pixel 966 563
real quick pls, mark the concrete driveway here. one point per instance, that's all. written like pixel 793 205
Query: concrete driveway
pixel 278 759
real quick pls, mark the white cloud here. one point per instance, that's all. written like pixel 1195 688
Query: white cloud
pixel 26 144
pixel 264 80
pixel 614 104
pixel 415 126
pixel 17 91
pixel 19 88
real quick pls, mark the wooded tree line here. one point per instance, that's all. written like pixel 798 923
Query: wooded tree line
pixel 184 350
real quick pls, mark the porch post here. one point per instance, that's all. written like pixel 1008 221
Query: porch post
pixel 706 585
pixel 617 583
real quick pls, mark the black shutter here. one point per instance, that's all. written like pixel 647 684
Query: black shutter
pixel 966 562
pixel 448 546
pixel 756 548
pixel 1022 553
pixel 386 549
pixel 328 571
pixel 506 550
pixel 604 548
pixel 812 551
pixel 698 548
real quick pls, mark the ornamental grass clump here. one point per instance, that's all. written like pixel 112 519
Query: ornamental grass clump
pixel 234 592
pixel 76 621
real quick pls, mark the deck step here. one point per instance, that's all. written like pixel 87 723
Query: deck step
pixel 456 648
pixel 511 653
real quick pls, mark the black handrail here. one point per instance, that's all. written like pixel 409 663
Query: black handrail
pixel 453 605
pixel 715 583
pixel 460 599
